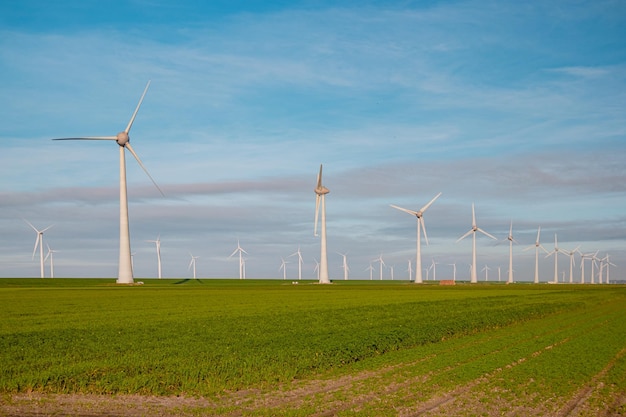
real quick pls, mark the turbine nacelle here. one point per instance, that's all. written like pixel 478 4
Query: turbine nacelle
pixel 321 190
pixel 122 138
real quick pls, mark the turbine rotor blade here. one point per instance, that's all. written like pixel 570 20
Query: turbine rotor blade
pixel 90 138
pixel 421 220
pixel 465 235
pixel 414 213
pixel 132 119
pixel 485 233
pixel 36 244
pixel 130 148
pixel 423 209
pixel 317 210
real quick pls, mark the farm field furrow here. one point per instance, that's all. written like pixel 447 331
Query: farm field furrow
pixel 265 348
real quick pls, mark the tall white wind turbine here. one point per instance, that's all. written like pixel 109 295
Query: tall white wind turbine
pixel 39 242
pixel 556 253
pixel 419 215
pixel 50 255
pixel 572 263
pixel 473 231
pixel 241 261
pixel 511 240
pixel 453 265
pixel 125 271
pixel 320 203
pixel 157 242
pixel 537 246
pixel 371 269
pixel 193 264
pixel 608 265
pixel 299 254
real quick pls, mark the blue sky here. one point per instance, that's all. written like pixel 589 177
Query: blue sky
pixel 516 107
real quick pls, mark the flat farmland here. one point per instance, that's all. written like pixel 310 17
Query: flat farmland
pixel 268 347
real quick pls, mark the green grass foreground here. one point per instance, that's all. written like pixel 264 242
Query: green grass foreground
pixel 203 337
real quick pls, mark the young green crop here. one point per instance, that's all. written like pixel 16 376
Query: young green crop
pixel 204 337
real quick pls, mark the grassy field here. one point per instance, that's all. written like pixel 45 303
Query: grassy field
pixel 213 338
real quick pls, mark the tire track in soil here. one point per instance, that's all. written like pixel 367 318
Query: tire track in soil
pixel 325 389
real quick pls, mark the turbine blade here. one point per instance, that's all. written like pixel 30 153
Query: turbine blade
pixel 473 216
pixel 31 225
pixel 90 138
pixel 414 213
pixel 485 233
pixel 36 244
pixel 132 119
pixel 130 148
pixel 317 210
pixel 423 209
pixel 421 220
pixel 319 177
pixel 465 235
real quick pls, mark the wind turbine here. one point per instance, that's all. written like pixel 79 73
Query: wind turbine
pixel 320 202
pixel 157 242
pixel 382 263
pixel 317 268
pixel 537 245
pixel 391 271
pixel 283 267
pixel 344 265
pixel 39 242
pixel 433 266
pixel 584 256
pixel 486 269
pixel 193 264
pixel 125 271
pixel 473 231
pixel 420 225
pixel 410 270
pixel 371 269
pixel 50 254
pixel 241 261
pixel 511 240
pixel 453 265
pixel 572 263
pixel 299 262
pixel 556 252
pixel 608 264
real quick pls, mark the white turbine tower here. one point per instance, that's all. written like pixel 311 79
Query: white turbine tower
pixel 537 246
pixel 453 265
pixel 317 268
pixel 410 270
pixel 50 255
pixel 241 261
pixel 556 253
pixel 344 265
pixel 193 264
pixel 420 225
pixel 473 231
pixel 125 270
pixel 486 269
pixel 511 240
pixel 299 262
pixel 608 265
pixel 283 267
pixel 157 242
pixel 433 266
pixel 371 269
pixel 320 202
pixel 39 242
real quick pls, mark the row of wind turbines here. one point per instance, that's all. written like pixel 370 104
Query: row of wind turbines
pixel 125 270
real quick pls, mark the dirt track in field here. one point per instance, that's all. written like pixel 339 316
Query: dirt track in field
pixel 423 385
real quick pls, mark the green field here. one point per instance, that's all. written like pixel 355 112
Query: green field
pixel 213 338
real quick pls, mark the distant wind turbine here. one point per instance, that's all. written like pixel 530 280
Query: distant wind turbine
pixel 486 269
pixel 608 265
pixel 556 253
pixel 511 241
pixel 157 242
pixel 320 202
pixel 193 264
pixel 472 231
pixel 537 246
pixel 572 263
pixel 344 265
pixel 299 262
pixel 420 225
pixel 241 261
pixel 50 254
pixel 39 242
pixel 371 269
pixel 283 267
pixel 125 271
pixel 433 266
pixel 381 263
pixel 410 270
pixel 317 268
pixel 453 265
